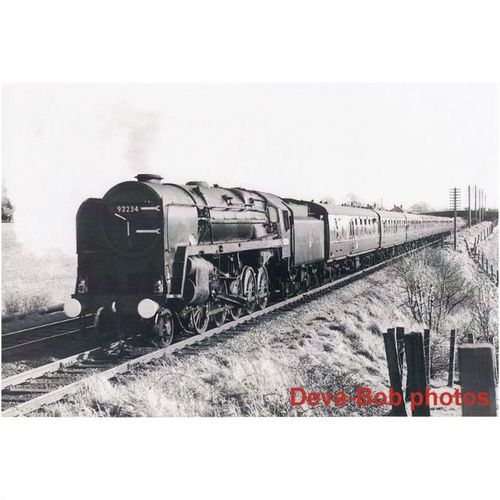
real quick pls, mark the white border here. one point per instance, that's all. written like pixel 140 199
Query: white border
pixel 230 41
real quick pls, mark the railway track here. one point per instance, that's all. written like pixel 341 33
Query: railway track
pixel 42 333
pixel 28 391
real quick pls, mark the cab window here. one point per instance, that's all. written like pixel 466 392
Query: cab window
pixel 286 220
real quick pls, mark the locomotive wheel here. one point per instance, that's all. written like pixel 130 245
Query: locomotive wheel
pixel 235 289
pixel 249 288
pixel 219 318
pixel 163 329
pixel 262 288
pixel 198 319
pixel 306 283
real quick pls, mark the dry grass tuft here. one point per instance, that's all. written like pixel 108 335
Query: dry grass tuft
pixel 15 302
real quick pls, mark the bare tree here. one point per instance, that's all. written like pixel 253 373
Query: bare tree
pixel 353 200
pixel 328 200
pixel 483 312
pixel 420 207
pixel 434 284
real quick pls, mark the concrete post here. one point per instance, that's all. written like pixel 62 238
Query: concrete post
pixel 477 376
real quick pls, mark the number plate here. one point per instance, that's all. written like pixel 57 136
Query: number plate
pixel 127 209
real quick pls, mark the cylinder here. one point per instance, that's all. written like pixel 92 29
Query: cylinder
pixel 197 286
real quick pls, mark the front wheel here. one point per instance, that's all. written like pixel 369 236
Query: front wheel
pixel 163 329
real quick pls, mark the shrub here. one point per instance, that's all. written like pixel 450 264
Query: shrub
pixel 18 303
pixel 435 285
pixel 7 207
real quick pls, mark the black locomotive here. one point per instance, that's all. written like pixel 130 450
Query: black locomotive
pixel 185 255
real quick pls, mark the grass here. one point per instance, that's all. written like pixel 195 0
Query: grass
pixel 33 280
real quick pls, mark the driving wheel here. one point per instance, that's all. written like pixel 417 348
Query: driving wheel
pixel 249 288
pixel 235 289
pixel 262 288
pixel 198 319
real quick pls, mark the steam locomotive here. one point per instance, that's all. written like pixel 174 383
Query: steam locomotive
pixel 166 257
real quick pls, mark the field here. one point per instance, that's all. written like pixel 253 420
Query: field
pixel 33 280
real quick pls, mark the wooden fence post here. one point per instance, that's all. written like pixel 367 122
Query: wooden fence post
pixel 400 338
pixel 415 361
pixel 487 266
pixel 477 375
pixel 395 371
pixel 492 272
pixel 427 352
pixel 451 365
pixel 400 341
pixel 497 277
pixel 482 261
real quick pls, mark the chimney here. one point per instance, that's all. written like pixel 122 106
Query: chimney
pixel 154 178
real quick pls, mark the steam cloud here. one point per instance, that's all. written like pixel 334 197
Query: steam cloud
pixel 141 129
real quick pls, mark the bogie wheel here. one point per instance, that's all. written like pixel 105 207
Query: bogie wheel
pixel 249 288
pixel 262 288
pixel 163 329
pixel 306 282
pixel 198 319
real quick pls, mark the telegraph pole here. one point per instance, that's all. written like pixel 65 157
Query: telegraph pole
pixel 454 205
pixel 470 215
pixel 479 204
pixel 475 204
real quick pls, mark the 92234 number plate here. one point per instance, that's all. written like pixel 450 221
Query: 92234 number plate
pixel 127 209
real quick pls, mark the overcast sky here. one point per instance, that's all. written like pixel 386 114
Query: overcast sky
pixel 396 143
